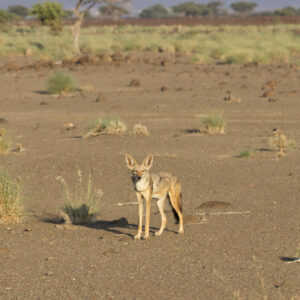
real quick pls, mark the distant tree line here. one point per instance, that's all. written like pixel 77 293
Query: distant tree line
pixel 212 9
pixel 116 9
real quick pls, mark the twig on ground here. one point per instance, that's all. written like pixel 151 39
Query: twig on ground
pixel 223 213
pixel 127 203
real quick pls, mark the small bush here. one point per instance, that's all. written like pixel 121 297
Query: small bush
pixel 60 83
pixel 4 142
pixel 212 123
pixel 109 126
pixel 81 205
pixel 10 199
pixel 292 144
pixel 245 153
pixel 139 129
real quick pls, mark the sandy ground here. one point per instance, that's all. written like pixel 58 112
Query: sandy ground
pixel 222 256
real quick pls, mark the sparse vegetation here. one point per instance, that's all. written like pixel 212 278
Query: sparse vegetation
pixel 297 252
pixel 4 141
pixel 106 126
pixel 60 83
pixel 212 123
pixel 202 44
pixel 291 144
pixel 245 153
pixel 81 205
pixel 10 199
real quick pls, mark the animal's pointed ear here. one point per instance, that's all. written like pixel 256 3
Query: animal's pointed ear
pixel 147 162
pixel 130 161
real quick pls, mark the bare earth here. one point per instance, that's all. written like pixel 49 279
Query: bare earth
pixel 220 256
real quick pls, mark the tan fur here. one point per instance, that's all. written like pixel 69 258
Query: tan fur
pixel 154 186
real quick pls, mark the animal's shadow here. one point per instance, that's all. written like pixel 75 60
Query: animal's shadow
pixel 118 226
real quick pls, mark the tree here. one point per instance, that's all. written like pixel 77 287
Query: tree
pixel 153 12
pixel 6 16
pixel 81 9
pixel 19 10
pixel 215 7
pixel 68 13
pixel 191 9
pixel 243 7
pixel 113 10
pixel 49 13
pixel 286 11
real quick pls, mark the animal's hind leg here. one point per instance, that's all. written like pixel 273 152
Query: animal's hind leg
pixel 160 204
pixel 175 198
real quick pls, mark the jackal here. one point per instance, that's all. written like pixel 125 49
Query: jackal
pixel 156 186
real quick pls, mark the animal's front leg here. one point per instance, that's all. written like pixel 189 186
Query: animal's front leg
pixel 148 197
pixel 140 226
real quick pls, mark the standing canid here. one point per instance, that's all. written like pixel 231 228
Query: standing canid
pixel 156 186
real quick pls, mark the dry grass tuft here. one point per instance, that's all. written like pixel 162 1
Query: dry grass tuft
pixel 106 126
pixel 280 141
pixel 10 199
pixel 4 141
pixel 212 123
pixel 139 129
pixel 81 205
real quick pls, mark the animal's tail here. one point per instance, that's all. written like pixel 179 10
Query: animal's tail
pixel 176 217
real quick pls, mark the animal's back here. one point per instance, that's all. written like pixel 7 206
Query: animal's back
pixel 162 182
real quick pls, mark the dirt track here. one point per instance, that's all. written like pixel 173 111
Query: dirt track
pixel 213 260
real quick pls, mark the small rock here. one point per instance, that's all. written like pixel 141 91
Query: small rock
pixel 272 100
pixel 271 84
pixel 135 83
pixel 28 52
pixel 231 98
pixel 268 94
pixel 69 126
pixel 110 252
pixel 100 98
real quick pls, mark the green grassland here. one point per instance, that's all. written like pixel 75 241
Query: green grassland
pixel 201 44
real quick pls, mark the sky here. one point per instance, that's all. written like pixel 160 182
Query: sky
pixel 138 5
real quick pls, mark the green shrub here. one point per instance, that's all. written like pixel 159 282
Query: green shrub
pixel 212 123
pixel 245 153
pixel 60 83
